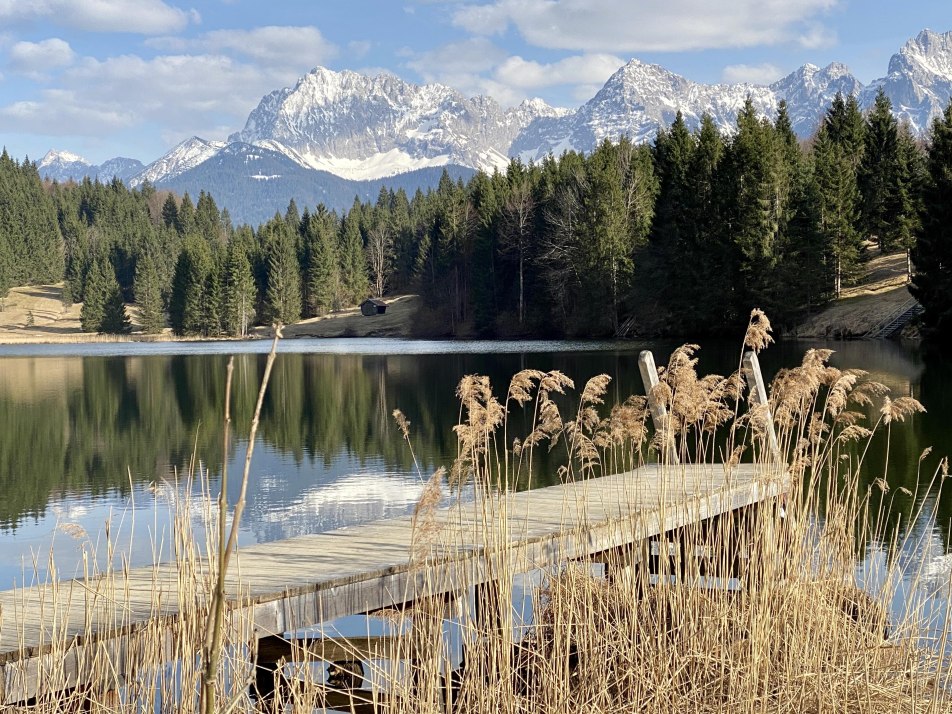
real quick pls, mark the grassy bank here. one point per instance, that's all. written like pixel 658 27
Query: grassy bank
pixel 759 612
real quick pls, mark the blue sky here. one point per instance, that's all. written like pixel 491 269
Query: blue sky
pixel 106 78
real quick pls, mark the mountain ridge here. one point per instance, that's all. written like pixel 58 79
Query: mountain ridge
pixel 362 128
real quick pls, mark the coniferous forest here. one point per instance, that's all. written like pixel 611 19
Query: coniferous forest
pixel 681 237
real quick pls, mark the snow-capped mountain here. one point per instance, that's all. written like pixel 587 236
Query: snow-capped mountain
pixel 810 90
pixel 187 155
pixel 67 166
pixel 919 82
pixel 362 127
pixel 635 101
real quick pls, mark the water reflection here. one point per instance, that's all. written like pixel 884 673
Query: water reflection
pixel 88 436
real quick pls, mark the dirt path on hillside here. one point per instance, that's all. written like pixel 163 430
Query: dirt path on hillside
pixel 880 295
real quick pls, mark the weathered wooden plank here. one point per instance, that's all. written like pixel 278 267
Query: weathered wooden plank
pixel 309 579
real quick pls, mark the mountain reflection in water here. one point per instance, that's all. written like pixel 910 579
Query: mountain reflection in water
pixel 87 435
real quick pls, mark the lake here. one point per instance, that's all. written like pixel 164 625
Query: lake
pixel 96 440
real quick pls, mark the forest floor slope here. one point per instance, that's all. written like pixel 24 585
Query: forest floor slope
pixel 36 314
pixel 880 294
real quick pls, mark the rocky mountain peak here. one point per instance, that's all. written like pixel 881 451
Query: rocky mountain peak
pixel 61 157
pixel 929 52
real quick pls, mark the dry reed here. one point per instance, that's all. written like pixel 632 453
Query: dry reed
pixel 756 611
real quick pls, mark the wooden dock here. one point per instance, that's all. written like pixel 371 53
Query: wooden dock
pixel 88 631
pixel 310 579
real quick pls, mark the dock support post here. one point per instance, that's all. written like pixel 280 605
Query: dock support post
pixel 758 395
pixel 659 412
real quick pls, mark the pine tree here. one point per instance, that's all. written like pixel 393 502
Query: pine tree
pixel 188 301
pixel 283 295
pixel 95 295
pixel 879 175
pixel 114 319
pixel 353 264
pixel 839 201
pixel 148 295
pixel 170 211
pixel 239 292
pixel 932 254
pixel 322 272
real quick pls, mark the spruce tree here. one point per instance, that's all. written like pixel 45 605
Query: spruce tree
pixel 283 295
pixel 188 301
pixel 353 262
pixel 754 208
pixel 322 271
pixel 673 152
pixel 932 254
pixel 879 175
pixel 911 176
pixel 835 170
pixel 148 294
pixel 99 279
pixel 114 319
pixel 170 212
pixel 239 292
pixel 705 263
pixel 185 216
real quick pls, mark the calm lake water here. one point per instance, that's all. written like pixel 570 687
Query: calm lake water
pixel 97 439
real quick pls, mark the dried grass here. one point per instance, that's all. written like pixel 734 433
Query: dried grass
pixel 758 612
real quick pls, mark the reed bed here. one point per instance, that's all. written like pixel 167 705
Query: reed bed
pixel 758 611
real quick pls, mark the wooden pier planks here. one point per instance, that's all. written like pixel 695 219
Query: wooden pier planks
pixel 314 578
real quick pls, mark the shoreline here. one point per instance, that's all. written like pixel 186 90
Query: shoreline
pixel 33 315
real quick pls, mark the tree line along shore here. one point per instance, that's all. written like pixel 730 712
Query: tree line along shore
pixel 682 236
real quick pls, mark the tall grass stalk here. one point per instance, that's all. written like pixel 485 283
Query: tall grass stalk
pixel 759 611
pixel 216 615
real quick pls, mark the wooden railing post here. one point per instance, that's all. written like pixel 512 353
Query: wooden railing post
pixel 659 412
pixel 758 395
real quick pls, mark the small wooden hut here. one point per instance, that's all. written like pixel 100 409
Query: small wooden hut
pixel 373 306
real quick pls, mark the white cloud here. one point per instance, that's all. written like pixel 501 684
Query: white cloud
pixel 36 59
pixel 593 69
pixel 816 36
pixel 477 66
pixel 359 48
pixel 461 65
pixel 646 26
pixel 467 57
pixel 752 73
pixel 63 113
pixel 183 94
pixel 203 86
pixel 147 17
pixel 273 46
